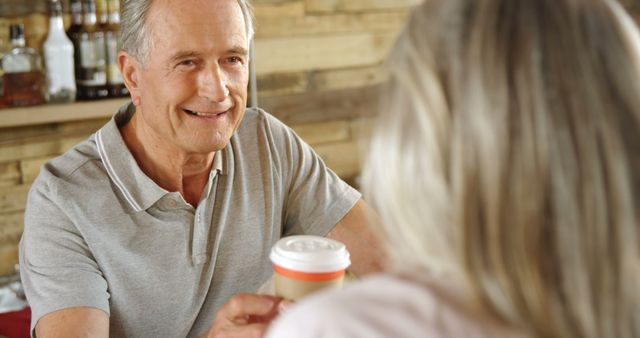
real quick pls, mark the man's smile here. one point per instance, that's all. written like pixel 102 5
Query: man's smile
pixel 204 113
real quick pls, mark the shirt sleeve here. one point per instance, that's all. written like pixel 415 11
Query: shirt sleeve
pixel 57 268
pixel 316 199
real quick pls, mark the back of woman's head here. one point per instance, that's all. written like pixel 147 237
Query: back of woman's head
pixel 509 151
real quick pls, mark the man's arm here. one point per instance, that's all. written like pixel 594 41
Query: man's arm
pixel 75 322
pixel 354 230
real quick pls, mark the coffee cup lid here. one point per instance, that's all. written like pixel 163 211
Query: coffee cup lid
pixel 310 254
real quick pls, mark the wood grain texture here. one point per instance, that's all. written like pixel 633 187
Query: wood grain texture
pixel 11 226
pixel 8 258
pixel 30 168
pixel 13 198
pixel 331 24
pixel 323 106
pixel 357 5
pixel 324 132
pixel 277 55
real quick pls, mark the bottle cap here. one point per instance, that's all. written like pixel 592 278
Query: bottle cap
pixel 55 7
pixel 310 254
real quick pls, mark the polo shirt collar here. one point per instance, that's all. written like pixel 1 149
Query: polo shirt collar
pixel 140 191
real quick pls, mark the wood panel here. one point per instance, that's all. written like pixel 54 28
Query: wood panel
pixel 11 226
pixel 343 158
pixel 324 132
pixel 287 26
pixel 347 78
pixel 276 55
pixel 38 147
pixel 39 115
pixel 9 171
pixel 277 9
pixel 8 258
pixel 30 168
pixel 17 133
pixel 324 6
pixel 323 106
pixel 283 84
pixel 13 198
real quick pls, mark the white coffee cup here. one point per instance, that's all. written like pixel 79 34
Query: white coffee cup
pixel 305 264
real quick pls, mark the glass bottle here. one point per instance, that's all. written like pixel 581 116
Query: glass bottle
pixel 2 103
pixel 91 77
pixel 114 77
pixel 23 78
pixel 58 58
pixel 74 33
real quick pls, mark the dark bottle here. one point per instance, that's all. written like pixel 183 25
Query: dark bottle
pixel 91 75
pixel 76 20
pixel 114 77
pixel 2 103
pixel 23 79
pixel 74 33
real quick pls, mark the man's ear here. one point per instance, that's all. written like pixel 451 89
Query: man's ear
pixel 130 69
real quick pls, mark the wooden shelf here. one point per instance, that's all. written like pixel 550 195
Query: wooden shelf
pixel 53 113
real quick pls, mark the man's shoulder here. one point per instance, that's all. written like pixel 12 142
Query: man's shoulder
pixel 76 166
pixel 259 118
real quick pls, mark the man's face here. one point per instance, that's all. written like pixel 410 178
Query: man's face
pixel 193 86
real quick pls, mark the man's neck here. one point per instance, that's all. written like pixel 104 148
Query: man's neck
pixel 170 168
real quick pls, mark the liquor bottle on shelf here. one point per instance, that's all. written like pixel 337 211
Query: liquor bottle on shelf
pixel 58 58
pixel 76 18
pixel 91 75
pixel 114 77
pixel 23 78
pixel 2 103
pixel 74 32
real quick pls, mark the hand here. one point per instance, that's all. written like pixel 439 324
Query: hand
pixel 245 315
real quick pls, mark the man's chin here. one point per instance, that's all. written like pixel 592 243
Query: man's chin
pixel 209 147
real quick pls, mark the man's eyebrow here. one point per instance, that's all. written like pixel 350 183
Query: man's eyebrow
pixel 238 50
pixel 184 54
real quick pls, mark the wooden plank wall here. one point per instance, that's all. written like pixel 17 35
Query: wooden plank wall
pixel 318 64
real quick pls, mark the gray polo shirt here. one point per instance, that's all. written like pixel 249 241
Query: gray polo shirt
pixel 100 233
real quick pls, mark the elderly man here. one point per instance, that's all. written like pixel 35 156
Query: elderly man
pixel 163 215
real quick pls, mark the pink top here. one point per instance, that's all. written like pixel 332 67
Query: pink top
pixel 388 305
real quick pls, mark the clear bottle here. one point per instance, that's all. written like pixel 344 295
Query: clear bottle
pixel 91 78
pixel 58 58
pixel 23 78
pixel 115 81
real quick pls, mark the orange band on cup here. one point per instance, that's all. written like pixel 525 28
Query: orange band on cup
pixel 308 276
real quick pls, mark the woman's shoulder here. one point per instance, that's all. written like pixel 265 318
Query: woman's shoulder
pixel 384 305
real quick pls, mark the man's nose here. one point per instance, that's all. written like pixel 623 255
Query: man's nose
pixel 213 85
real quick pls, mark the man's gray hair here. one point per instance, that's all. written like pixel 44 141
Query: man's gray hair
pixel 134 37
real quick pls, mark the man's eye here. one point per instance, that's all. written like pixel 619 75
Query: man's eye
pixel 234 59
pixel 187 63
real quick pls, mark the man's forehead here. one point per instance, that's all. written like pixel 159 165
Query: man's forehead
pixel 213 21
pixel 187 8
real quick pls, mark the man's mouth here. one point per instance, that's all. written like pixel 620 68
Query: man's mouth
pixel 203 114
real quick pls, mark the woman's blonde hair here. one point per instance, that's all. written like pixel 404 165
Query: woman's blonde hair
pixel 508 151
